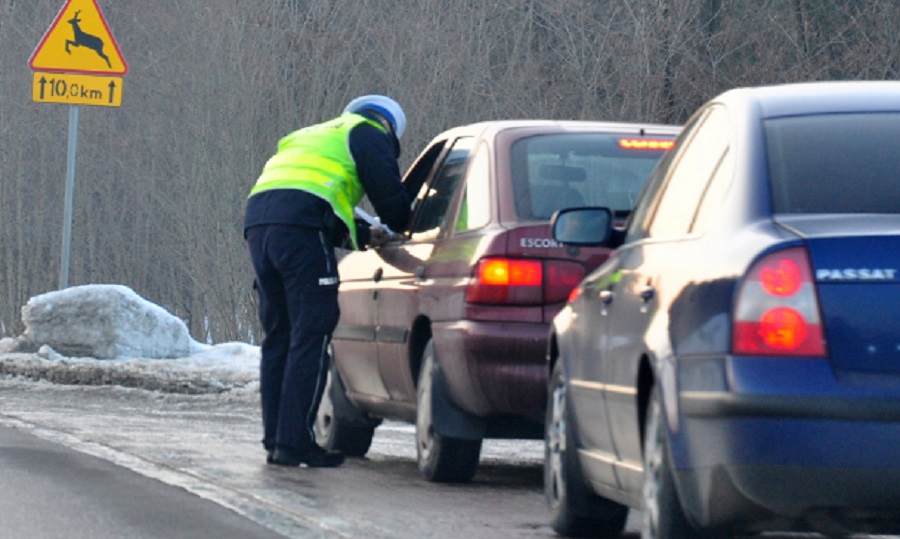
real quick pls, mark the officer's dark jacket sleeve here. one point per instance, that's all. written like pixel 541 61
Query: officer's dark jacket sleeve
pixel 375 154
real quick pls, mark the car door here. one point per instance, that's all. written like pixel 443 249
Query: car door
pixel 591 331
pixel 404 278
pixel 355 354
pixel 638 296
pixel 356 337
pixel 589 389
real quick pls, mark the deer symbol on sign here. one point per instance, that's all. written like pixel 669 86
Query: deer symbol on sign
pixel 83 39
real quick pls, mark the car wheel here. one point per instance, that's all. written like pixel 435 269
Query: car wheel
pixel 575 511
pixel 440 458
pixel 664 517
pixel 340 426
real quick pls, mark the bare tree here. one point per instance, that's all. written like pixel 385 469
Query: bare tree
pixel 161 181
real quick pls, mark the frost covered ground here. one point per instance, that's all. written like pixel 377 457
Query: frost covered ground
pixel 108 336
pixel 107 373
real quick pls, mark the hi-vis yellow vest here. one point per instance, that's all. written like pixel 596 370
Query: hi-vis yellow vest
pixel 317 159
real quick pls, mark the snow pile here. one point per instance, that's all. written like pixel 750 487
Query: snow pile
pixel 104 322
pixel 109 335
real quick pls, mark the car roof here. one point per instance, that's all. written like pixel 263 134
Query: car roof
pixel 816 98
pixel 492 127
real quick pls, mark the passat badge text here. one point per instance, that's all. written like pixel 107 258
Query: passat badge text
pixel 856 274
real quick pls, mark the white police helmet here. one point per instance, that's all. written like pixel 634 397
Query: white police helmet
pixel 384 105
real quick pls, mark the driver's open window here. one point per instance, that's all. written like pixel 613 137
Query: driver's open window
pixel 433 202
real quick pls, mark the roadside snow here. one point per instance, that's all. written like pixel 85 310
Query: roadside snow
pixel 109 335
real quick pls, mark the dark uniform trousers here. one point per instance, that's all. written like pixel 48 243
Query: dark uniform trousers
pixel 297 282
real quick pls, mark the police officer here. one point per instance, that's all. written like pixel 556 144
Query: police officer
pixel 301 207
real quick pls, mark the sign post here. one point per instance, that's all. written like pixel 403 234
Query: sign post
pixel 70 192
pixel 77 62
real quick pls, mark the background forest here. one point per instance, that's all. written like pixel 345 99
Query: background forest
pixel 160 182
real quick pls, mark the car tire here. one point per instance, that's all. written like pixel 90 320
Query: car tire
pixel 663 515
pixel 575 510
pixel 440 458
pixel 340 426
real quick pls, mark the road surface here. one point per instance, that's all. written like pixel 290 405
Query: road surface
pixel 209 445
pixel 51 491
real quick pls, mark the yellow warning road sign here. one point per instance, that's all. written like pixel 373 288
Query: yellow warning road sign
pixel 72 89
pixel 79 41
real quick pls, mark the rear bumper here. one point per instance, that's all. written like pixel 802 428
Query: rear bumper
pixel 713 405
pixel 788 441
pixel 494 368
pixel 793 498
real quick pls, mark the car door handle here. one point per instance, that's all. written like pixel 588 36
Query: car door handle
pixel 379 273
pixel 647 293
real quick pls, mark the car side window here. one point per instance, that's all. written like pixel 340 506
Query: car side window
pixel 690 175
pixel 715 192
pixel 419 172
pixel 475 211
pixel 433 200
pixel 639 221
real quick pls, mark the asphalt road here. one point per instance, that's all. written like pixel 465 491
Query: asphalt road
pixel 51 491
pixel 208 446
pixel 147 464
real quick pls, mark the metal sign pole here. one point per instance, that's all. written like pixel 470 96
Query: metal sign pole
pixel 70 188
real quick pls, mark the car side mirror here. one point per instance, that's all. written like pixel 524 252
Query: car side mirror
pixel 583 226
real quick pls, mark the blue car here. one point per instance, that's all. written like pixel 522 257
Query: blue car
pixel 734 366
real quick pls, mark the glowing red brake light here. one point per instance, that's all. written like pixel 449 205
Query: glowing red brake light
pixel 646 144
pixel 494 272
pixel 498 271
pixel 782 328
pixel 500 281
pixel 782 278
pixel 777 309
pixel 511 281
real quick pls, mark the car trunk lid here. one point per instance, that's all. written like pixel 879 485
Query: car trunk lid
pixel 856 267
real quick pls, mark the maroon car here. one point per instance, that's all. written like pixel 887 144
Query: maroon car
pixel 448 328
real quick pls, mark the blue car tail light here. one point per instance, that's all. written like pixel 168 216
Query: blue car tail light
pixel 777 308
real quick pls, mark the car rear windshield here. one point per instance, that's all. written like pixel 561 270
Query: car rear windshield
pixel 837 163
pixel 555 171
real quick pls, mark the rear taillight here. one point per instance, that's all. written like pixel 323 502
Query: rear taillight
pixel 562 277
pixel 777 311
pixel 515 281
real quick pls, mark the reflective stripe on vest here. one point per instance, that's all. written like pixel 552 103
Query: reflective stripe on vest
pixel 317 159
